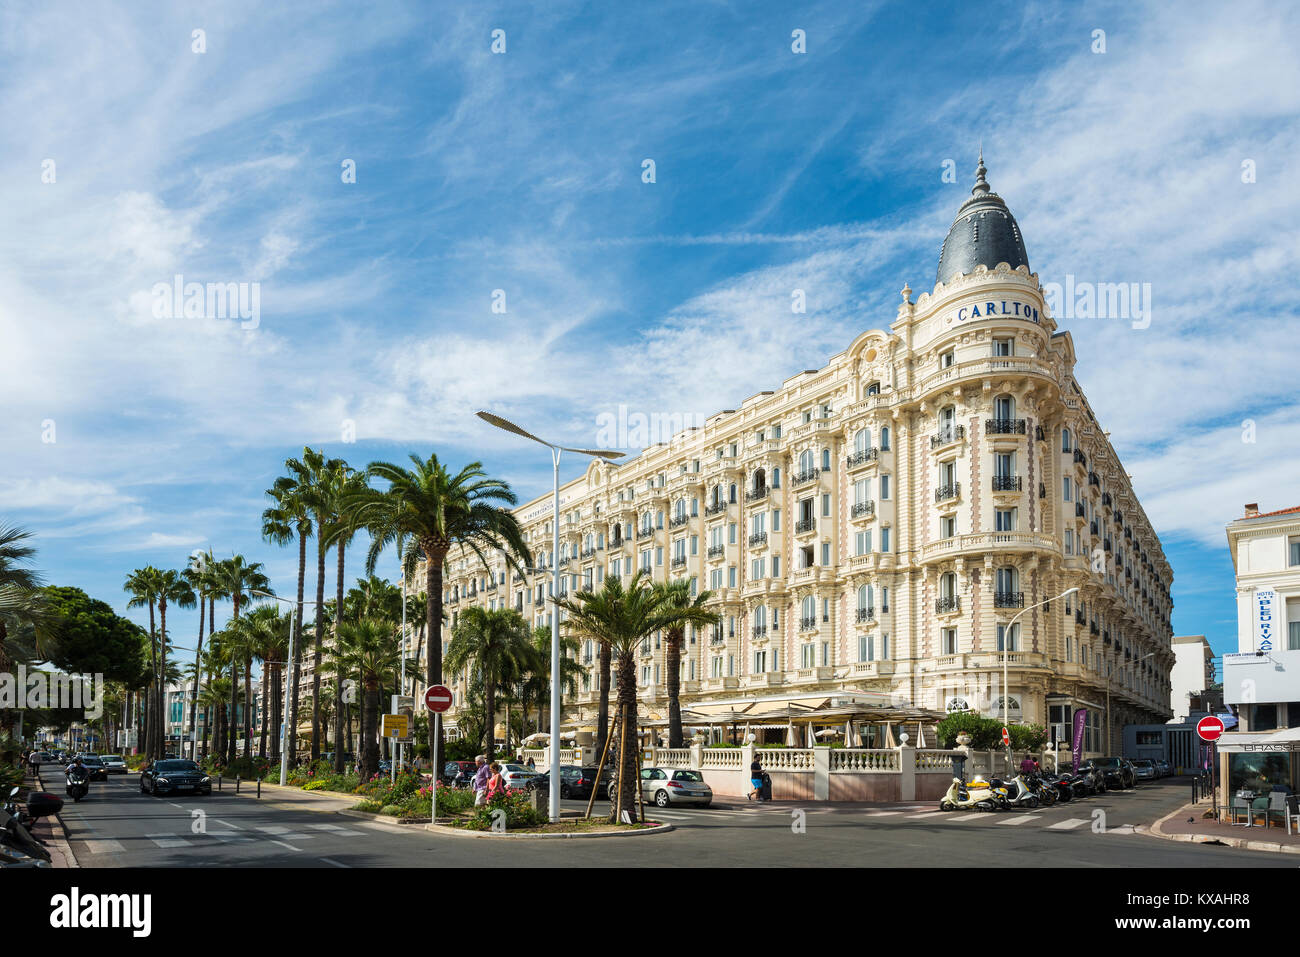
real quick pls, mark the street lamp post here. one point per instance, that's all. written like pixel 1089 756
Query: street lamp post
pixel 1006 646
pixel 508 426
pixel 288 672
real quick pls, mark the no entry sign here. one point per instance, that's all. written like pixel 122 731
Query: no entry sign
pixel 1006 737
pixel 438 699
pixel 1209 728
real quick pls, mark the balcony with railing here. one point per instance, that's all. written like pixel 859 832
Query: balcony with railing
pixel 760 631
pixel 805 525
pixel 758 538
pixel 945 492
pixel 1079 510
pixel 677 521
pixel 756 494
pixel 861 457
pixel 717 551
pixel 947 606
pixel 948 436
pixel 1007 483
pixel 1080 458
pixel 861 509
pixel 1009 599
pixel 809 475
pixel 1094 479
pixel 1004 426
pixel 866 615
pixel 808 624
pixel 716 509
pixel 679 561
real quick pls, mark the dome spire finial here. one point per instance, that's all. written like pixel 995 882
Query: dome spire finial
pixel 981 185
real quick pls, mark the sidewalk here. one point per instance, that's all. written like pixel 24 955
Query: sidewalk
pixel 1200 830
pixel 51 832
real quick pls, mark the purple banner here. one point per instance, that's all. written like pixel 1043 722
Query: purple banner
pixel 1080 719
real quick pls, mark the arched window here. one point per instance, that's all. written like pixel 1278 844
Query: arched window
pixel 1012 704
pixel 806 460
pixel 865 597
pixel 732 494
pixel 955 704
pixel 760 479
pixel 873 388
pixel 659 519
pixel 826 460
pixel 1065 440
pixel 884 439
pixel 809 612
pixel 862 441
pixel 947 418
pixel 776 478
pixel 1004 407
pixel 948 585
pixel 1007 580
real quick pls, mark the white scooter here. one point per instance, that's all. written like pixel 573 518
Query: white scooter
pixel 977 796
pixel 1019 793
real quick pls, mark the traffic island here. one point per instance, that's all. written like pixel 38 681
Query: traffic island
pixel 573 828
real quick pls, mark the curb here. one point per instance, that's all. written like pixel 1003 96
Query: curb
pixel 1157 831
pixel 62 845
pixel 461 832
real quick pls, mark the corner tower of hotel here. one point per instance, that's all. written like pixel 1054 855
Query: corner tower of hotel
pixel 880 529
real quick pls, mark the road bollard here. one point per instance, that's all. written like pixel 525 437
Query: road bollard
pixel 219 782
pixel 237 780
pixel 259 787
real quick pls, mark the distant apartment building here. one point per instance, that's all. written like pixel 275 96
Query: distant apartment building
pixel 1192 674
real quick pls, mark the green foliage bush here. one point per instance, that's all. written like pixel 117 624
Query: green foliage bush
pixel 519 813
pixel 461 749
pixel 986 733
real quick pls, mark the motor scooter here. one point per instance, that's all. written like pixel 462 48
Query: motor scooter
pixel 1019 793
pixel 978 796
pixel 78 783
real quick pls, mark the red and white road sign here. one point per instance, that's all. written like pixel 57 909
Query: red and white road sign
pixel 1209 728
pixel 438 699
pixel 1006 737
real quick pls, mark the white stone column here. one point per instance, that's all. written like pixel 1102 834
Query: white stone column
pixel 906 769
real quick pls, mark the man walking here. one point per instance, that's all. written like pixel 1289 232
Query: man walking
pixel 480 784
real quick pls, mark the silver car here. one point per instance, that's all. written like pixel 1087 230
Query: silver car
pixel 516 776
pixel 114 764
pixel 668 786
pixel 1144 769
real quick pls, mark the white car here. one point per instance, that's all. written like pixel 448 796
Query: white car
pixel 114 764
pixel 517 776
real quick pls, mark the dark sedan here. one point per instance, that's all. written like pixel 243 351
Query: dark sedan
pixel 95 766
pixel 176 776
pixel 1117 771
pixel 575 782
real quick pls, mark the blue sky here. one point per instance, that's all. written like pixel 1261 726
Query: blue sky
pixel 521 172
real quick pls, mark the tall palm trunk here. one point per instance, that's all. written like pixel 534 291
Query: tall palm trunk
pixel 234 698
pixel 338 677
pixel 163 712
pixel 150 725
pixel 434 554
pixel 602 717
pixel 248 708
pixel 628 757
pixel 490 712
pixel 672 684
pixel 369 724
pixel 318 643
pixel 194 700
pixel 291 725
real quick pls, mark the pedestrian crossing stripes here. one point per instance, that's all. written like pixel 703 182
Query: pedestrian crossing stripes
pixel 228 834
pixel 1018 819
pixel 105 846
pixel 168 840
pixel 1068 825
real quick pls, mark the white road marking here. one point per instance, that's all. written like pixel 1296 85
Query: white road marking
pixel 881 813
pixel 174 804
pixel 229 837
pixel 289 846
pixel 335 863
pixel 1018 819
pixel 961 818
pixel 284 832
pixel 168 840
pixel 233 827
pixel 105 846
pixel 335 829
pixel 1067 825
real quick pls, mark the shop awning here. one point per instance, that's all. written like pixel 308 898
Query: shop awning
pixel 1281 736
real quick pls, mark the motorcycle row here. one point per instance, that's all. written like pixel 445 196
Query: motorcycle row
pixel 1023 791
pixel 18 847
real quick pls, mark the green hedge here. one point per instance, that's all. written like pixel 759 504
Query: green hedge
pixel 986 733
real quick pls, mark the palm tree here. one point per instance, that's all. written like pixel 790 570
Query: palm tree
pixel 366 648
pixel 239 580
pixel 623 618
pixel 199 574
pixel 427 511
pixel 143 585
pixel 677 594
pixel 538 686
pixel 26 623
pixel 175 588
pixel 345 485
pixel 496 646
pixel 288 518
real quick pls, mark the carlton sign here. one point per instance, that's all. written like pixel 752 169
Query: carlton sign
pixel 995 309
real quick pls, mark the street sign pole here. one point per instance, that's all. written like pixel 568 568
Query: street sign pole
pixel 437 699
pixel 433 785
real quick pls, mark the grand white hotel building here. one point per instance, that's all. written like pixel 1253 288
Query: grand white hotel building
pixel 874 525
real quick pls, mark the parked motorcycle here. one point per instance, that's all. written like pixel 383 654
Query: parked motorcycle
pixel 977 796
pixel 1019 793
pixel 18 848
pixel 1062 785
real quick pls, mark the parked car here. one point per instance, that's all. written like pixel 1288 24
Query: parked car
pixel 458 773
pixel 1118 772
pixel 1166 769
pixel 669 786
pixel 516 776
pixel 114 764
pixel 575 782
pixel 175 776
pixel 1145 769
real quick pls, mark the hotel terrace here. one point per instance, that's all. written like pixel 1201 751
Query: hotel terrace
pixel 870 529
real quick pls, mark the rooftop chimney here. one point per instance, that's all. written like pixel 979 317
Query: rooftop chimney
pixel 1252 509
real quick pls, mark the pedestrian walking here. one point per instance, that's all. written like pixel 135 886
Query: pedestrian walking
pixel 531 765
pixel 756 780
pixel 480 783
pixel 496 784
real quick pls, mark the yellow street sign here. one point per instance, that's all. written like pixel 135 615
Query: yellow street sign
pixel 396 725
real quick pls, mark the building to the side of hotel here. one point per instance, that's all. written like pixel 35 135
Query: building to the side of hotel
pixel 1261 681
pixel 886 525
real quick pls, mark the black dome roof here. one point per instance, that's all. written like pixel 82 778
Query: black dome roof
pixel 983 234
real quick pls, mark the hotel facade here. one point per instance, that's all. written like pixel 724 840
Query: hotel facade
pixel 888 524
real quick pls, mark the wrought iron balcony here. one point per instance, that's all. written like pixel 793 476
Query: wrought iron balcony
pixel 645 532
pixel 716 508
pixel 588 552
pixel 1004 426
pixel 1106 544
pixel 808 624
pixel 1094 479
pixel 1038 433
pixel 864 508
pixel 1105 499
pixel 1092 526
pixel 717 551
pixel 1079 619
pixel 861 457
pixel 677 521
pixel 866 614
pixel 1009 599
pixel 948 436
pixel 679 561
pixel 760 631
pixel 1080 457
pixel 1007 483
pixel 1079 510
pixel 758 538
pixel 807 476
pixel 754 494
pixel 945 492
pixel 805 525
pixel 943 606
